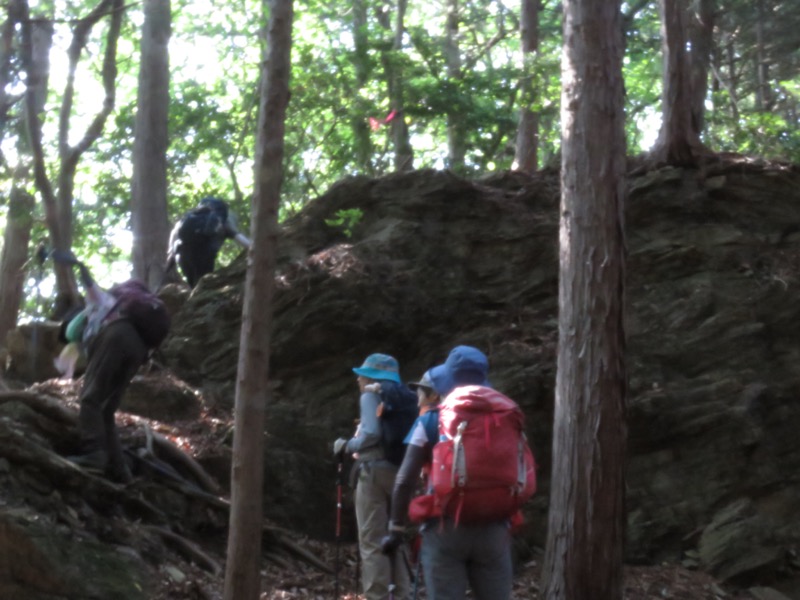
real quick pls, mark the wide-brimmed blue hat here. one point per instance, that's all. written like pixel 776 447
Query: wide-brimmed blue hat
pixel 379 366
pixel 465 365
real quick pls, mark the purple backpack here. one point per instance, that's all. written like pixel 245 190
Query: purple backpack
pixel 146 311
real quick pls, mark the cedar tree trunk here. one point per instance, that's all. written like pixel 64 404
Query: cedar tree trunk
pixel 583 559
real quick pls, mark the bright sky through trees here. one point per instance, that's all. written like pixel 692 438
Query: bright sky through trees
pixel 214 64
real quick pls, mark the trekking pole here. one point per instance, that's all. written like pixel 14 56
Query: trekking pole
pixel 417 573
pixel 339 465
pixel 358 566
pixel 392 556
pixel 392 585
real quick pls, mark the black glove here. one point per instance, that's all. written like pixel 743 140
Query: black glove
pixel 390 543
pixel 86 277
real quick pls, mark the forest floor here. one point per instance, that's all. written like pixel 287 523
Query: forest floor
pixel 307 583
pixel 299 580
pixel 288 577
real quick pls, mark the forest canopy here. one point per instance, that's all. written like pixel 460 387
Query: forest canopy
pixel 456 75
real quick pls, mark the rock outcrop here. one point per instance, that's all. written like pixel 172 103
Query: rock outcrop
pixel 414 264
pixel 428 261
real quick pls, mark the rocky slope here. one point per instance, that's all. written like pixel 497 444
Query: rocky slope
pixel 423 261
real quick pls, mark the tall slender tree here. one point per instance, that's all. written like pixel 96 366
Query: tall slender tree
pixel 526 156
pixel 8 51
pixel 15 254
pixel 361 63
pixel 149 218
pixel 242 572
pixel 57 200
pixel 679 137
pixel 392 63
pixel 583 559
pixel 21 204
pixel 701 36
pixel 456 134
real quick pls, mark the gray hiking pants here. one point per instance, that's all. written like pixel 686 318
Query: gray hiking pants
pixel 478 555
pixel 373 496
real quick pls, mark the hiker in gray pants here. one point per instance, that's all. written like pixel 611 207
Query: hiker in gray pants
pixel 452 556
pixel 375 483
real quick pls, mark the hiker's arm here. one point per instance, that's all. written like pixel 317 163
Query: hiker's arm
pixel 242 240
pixel 369 431
pixel 86 277
pixel 172 246
pixel 406 482
pixel 232 232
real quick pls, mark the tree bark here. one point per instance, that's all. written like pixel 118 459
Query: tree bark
pixel 149 219
pixel 456 136
pixel 583 559
pixel 403 153
pixel 526 157
pixel 14 14
pixel 15 253
pixel 58 202
pixel 242 573
pixel 701 34
pixel 361 131
pixel 763 94
pixel 35 51
pixel 678 140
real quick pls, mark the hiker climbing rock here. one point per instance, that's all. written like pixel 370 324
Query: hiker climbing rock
pixel 466 535
pixel 198 236
pixel 387 411
pixel 117 330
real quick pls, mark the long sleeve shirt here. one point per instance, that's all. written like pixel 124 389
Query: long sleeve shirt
pixel 368 434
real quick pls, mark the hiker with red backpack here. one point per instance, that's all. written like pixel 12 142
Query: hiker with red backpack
pixel 117 330
pixel 480 471
pixel 387 410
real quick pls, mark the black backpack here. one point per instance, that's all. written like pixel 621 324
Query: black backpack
pixel 205 222
pixel 397 415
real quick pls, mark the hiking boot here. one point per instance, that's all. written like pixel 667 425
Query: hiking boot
pixel 93 461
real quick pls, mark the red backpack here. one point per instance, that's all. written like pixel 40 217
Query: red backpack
pixel 483 469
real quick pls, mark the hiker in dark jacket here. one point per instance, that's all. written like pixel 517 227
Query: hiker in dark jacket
pixel 198 236
pixel 380 372
pixel 115 350
pixel 453 557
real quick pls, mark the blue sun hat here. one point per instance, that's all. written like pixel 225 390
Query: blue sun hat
pixel 465 365
pixel 379 366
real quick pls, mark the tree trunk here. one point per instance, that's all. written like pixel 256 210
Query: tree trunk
pixel 14 15
pixel 526 157
pixel 242 573
pixel 403 154
pixel 35 51
pixel 15 253
pixel 678 141
pixel 584 553
pixel 702 40
pixel 149 219
pixel 456 138
pixel 58 203
pixel 763 95
pixel 361 131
